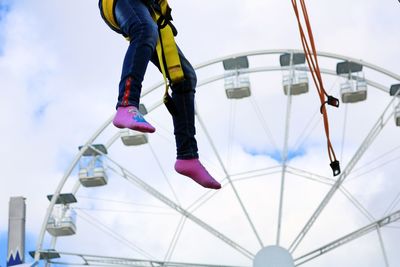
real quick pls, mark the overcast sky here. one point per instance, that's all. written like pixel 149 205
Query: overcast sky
pixel 59 69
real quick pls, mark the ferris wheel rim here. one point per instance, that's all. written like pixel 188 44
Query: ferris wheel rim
pixel 254 70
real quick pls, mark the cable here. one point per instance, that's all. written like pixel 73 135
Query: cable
pixel 231 129
pixel 369 163
pixel 122 202
pixel 164 174
pixel 175 239
pixel 124 211
pixel 373 168
pixel 393 204
pixel 102 227
pixel 357 204
pixel 312 61
pixel 303 137
pixel 263 122
pixel 344 131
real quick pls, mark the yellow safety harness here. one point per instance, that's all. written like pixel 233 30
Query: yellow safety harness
pixel 166 48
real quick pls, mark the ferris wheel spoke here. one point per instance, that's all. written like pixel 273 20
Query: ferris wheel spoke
pixel 175 238
pixel 393 204
pixel 263 122
pixel 229 180
pixel 284 160
pixel 349 237
pixel 357 203
pixel 384 254
pixel 374 160
pixel 344 130
pixel 204 198
pixel 164 174
pixel 374 132
pixel 330 181
pixel 112 233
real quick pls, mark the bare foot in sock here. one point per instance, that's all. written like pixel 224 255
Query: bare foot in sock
pixel 193 169
pixel 130 117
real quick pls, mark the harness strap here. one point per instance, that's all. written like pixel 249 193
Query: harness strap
pixel 169 50
pixel 107 8
pixel 167 99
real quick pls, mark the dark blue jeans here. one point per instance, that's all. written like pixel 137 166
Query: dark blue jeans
pixel 136 22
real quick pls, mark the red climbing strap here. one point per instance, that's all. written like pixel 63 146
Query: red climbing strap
pixel 307 41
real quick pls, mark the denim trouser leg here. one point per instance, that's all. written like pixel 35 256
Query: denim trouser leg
pixel 184 122
pixel 136 22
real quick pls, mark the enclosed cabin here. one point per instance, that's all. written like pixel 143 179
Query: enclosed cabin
pixel 135 138
pixel 48 254
pixel 295 78
pixel 91 166
pixel 354 88
pixel 237 84
pixel 395 91
pixel 62 221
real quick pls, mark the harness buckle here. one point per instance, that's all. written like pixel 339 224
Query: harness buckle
pixel 333 101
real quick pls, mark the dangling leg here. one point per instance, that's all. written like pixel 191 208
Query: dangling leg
pixel 136 22
pixel 183 95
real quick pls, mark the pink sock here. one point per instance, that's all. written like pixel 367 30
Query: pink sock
pixel 195 170
pixel 130 117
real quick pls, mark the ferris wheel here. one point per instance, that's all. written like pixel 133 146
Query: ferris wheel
pixel 260 134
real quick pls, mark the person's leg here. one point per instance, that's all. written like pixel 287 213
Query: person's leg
pixel 136 22
pixel 183 95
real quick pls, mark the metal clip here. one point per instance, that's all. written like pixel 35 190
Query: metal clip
pixel 335 167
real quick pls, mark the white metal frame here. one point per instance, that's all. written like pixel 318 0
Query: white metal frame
pixel 229 178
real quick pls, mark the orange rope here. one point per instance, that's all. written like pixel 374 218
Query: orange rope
pixel 312 61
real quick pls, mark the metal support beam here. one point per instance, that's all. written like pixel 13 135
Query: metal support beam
pixel 376 129
pixel 349 237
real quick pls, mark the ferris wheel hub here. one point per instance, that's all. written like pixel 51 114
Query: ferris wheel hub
pixel 273 256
